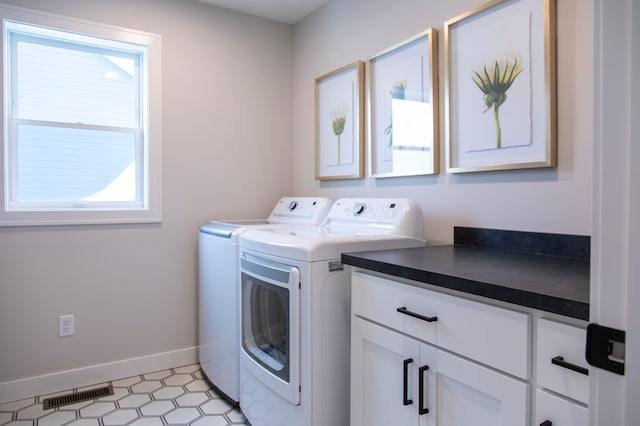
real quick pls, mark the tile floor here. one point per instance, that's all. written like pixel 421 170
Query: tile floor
pixel 168 397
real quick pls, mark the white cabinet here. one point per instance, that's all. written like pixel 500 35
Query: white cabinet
pixel 425 358
pixel 399 379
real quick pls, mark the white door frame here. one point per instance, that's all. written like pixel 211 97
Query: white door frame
pixel 615 258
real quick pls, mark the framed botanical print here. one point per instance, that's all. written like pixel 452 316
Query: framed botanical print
pixel 500 87
pixel 402 88
pixel 339 123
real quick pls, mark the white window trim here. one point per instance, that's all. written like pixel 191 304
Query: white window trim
pixel 152 162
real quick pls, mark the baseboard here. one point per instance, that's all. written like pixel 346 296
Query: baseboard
pixel 64 380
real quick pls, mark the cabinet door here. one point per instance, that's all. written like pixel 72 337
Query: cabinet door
pixel 458 392
pixel 379 360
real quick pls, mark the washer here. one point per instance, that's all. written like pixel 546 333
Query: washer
pixel 295 309
pixel 219 323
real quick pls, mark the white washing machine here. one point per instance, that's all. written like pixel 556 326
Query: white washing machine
pixel 295 309
pixel 219 322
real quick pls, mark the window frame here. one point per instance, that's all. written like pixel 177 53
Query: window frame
pixel 148 207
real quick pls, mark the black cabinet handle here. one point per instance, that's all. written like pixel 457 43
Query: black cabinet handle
pixel 405 380
pixel 421 408
pixel 405 311
pixel 546 423
pixel 558 360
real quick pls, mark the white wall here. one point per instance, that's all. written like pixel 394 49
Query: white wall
pixel 546 200
pixel 226 131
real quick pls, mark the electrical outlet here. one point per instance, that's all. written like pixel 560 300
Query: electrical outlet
pixel 66 325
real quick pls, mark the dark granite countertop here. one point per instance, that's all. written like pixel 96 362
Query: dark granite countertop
pixel 551 283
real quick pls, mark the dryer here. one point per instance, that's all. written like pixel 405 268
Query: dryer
pixel 295 309
pixel 218 302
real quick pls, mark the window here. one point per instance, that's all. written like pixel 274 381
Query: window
pixel 80 143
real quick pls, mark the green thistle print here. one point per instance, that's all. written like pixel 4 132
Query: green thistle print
pixel 338 122
pixel 397 92
pixel 494 80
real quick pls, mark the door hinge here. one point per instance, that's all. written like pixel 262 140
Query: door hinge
pixel 605 348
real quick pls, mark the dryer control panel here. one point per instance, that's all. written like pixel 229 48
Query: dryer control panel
pixel 370 209
pixel 400 215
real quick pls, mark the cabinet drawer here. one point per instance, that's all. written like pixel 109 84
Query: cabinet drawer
pixel 559 411
pixel 567 341
pixel 493 336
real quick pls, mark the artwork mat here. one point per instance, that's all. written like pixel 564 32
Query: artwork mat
pixel 340 91
pixel 541 64
pixel 412 160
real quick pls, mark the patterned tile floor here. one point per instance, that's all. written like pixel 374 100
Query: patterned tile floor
pixel 168 397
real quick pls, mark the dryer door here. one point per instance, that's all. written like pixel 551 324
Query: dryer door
pixel 271 324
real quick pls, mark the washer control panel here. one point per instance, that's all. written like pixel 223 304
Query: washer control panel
pixel 308 210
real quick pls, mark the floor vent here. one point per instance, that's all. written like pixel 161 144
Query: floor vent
pixel 73 398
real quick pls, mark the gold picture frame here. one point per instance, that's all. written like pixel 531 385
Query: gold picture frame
pixel 500 87
pixel 339 123
pixel 402 108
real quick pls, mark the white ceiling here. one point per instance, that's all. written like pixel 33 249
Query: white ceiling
pixel 286 11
